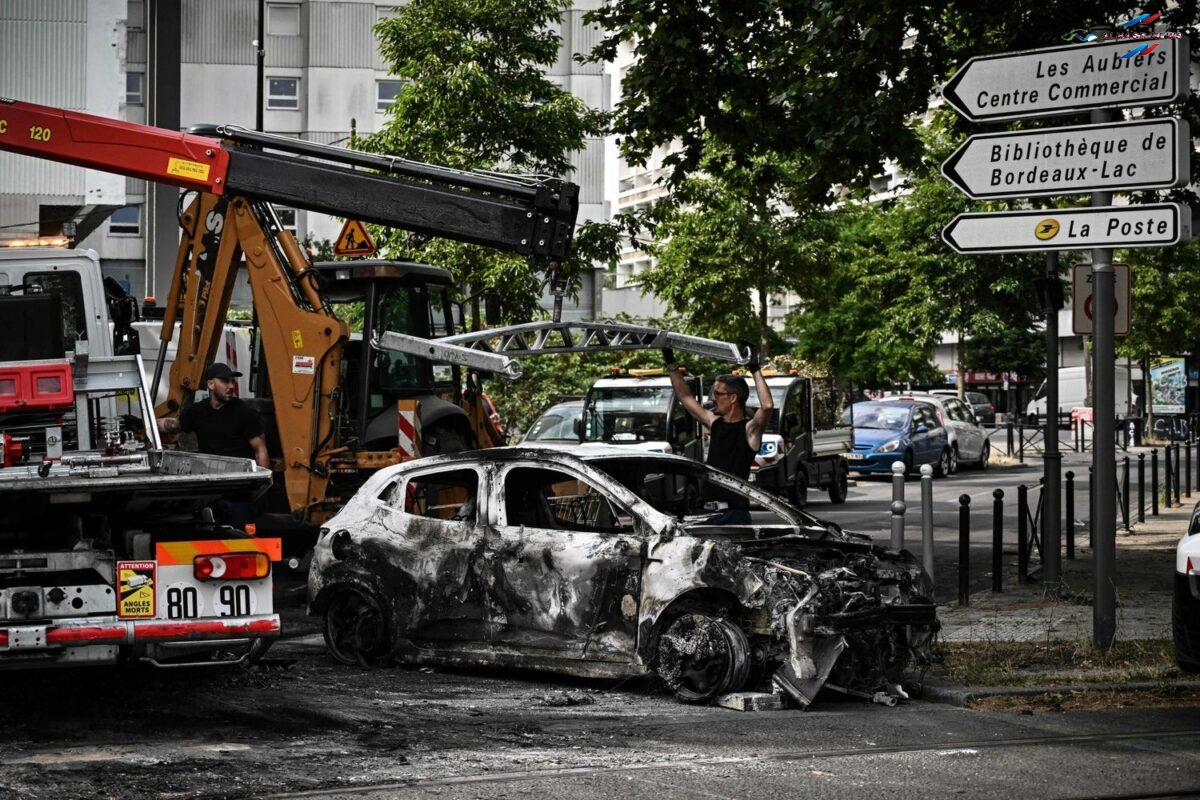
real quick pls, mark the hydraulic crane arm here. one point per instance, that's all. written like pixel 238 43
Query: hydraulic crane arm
pixel 528 216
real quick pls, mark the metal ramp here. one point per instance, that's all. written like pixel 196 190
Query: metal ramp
pixel 550 338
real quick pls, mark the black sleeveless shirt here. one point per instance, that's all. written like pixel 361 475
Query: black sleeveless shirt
pixel 728 449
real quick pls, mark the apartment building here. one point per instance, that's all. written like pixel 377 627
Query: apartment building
pixel 323 76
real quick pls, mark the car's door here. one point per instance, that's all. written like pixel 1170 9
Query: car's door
pixel 926 443
pixel 794 425
pixel 566 567
pixel 434 516
pixel 970 437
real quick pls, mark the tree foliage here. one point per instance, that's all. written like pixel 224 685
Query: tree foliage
pixel 475 95
pixel 830 85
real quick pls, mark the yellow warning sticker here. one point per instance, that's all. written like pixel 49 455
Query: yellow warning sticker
pixel 187 169
pixel 136 588
pixel 354 240
pixel 297 340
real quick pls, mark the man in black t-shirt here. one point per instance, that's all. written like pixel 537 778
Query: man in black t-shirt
pixel 223 424
pixel 734 437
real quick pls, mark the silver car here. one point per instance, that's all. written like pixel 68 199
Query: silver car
pixel 968 439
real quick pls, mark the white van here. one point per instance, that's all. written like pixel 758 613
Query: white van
pixel 1072 392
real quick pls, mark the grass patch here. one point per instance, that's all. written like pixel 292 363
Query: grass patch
pixel 1165 696
pixel 1049 663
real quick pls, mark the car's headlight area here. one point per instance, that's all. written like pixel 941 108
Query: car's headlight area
pixel 888 447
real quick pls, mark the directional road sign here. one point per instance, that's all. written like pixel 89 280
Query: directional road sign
pixel 1153 225
pixel 1069 79
pixel 1082 309
pixel 1122 156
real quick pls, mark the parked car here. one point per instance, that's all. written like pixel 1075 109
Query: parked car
pixel 1185 605
pixel 558 424
pixel 606 565
pixel 892 430
pixel 796 454
pixel 967 438
pixel 983 409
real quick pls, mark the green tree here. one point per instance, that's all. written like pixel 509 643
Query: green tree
pixel 475 96
pixel 829 85
pixel 726 242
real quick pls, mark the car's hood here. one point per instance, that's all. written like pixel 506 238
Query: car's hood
pixel 873 437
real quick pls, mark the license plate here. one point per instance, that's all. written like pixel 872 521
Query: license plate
pixel 854 456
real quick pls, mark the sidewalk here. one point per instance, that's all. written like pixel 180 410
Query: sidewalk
pixel 1145 571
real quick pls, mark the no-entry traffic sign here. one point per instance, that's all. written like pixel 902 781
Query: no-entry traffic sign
pixel 1152 225
pixel 1068 79
pixel 1121 156
pixel 1082 308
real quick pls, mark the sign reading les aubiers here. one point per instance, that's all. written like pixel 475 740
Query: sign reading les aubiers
pixel 1068 79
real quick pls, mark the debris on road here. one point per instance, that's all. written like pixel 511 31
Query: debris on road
pixel 751 701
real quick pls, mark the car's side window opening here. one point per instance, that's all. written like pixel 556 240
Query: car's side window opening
pixel 554 500
pixel 450 496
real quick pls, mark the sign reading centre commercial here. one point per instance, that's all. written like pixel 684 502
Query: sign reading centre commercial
pixel 1121 156
pixel 1064 80
pixel 1153 225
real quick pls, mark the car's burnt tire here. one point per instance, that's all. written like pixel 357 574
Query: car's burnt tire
pixel 701 657
pixel 356 630
pixel 839 488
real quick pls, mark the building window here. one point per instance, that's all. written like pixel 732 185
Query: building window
pixel 283 93
pixel 135 15
pixel 287 218
pixel 283 19
pixel 126 221
pixel 134 84
pixel 385 94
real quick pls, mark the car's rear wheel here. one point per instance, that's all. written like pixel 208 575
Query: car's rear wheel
pixel 985 456
pixel 942 468
pixel 356 630
pixel 953 467
pixel 1187 639
pixel 840 487
pixel 798 491
pixel 701 657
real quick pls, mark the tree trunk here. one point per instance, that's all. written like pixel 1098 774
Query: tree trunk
pixel 762 321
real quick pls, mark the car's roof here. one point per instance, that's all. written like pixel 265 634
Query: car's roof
pixel 627 381
pixel 590 452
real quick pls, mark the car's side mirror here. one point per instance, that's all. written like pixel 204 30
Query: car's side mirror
pixel 921 429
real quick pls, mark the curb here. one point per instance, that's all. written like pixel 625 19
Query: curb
pixel 962 695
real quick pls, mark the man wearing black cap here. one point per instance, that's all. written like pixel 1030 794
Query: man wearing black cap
pixel 223 424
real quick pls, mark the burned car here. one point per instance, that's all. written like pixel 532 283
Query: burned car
pixel 605 564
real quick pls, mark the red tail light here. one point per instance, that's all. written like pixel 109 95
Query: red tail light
pixel 991 409
pixel 231 567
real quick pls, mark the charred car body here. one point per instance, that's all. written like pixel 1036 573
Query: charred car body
pixel 604 565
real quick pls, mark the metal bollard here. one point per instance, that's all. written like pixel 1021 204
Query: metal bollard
pixel 1009 427
pixel 1021 442
pixel 964 550
pixel 927 519
pixel 897 497
pixel 1022 534
pixel 1178 475
pixel 1167 476
pixel 997 540
pixel 1141 487
pixel 1070 508
pixel 1187 464
pixel 1125 491
pixel 1154 482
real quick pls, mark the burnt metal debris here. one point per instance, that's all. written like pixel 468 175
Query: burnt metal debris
pixel 604 563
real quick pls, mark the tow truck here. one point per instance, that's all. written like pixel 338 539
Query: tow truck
pixel 328 410
pixel 106 552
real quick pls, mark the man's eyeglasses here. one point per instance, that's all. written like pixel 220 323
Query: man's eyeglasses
pixel 715 393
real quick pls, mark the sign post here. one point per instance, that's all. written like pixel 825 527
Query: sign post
pixel 1143 154
pixel 1099 158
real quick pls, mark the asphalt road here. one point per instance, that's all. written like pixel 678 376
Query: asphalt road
pixel 304 726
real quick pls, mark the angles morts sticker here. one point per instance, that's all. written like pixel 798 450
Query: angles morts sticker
pixel 136 587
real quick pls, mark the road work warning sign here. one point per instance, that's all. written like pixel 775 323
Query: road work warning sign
pixel 136 588
pixel 354 240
